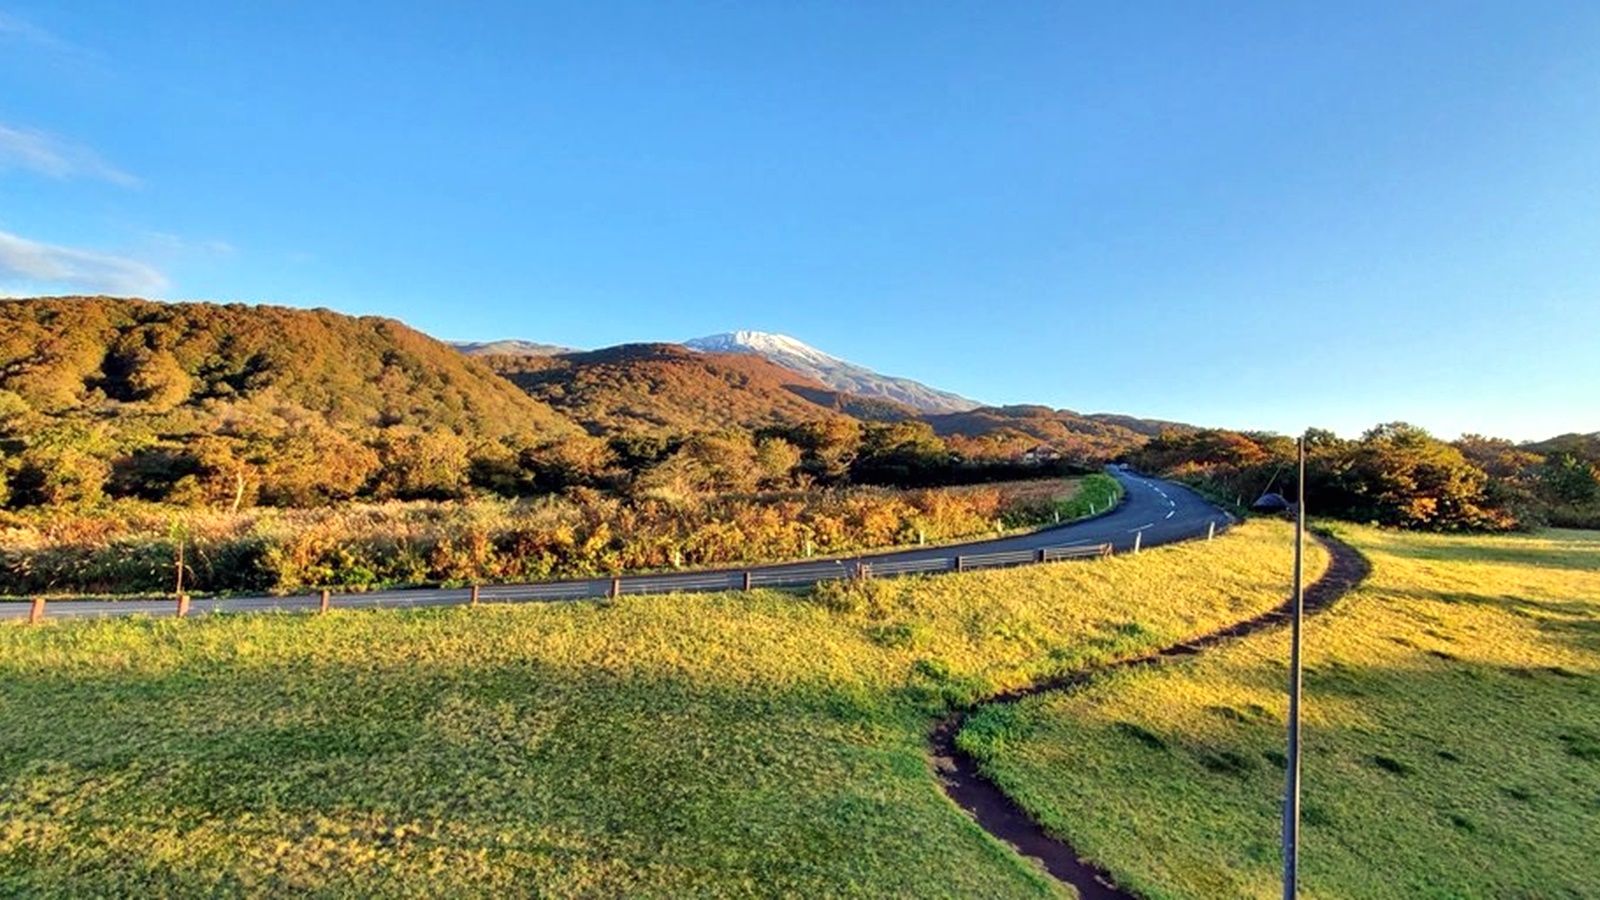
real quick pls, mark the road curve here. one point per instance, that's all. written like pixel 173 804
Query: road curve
pixel 1153 512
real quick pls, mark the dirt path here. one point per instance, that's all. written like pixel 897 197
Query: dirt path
pixel 997 814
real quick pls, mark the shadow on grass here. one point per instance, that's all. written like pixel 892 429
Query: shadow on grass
pixel 1439 778
pixel 1570 621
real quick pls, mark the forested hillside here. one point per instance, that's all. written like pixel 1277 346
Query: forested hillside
pixel 666 389
pixel 1009 430
pixel 207 403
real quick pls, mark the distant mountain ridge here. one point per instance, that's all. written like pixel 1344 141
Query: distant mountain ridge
pixel 509 348
pixel 836 373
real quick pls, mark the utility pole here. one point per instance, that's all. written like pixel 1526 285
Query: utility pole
pixel 1291 798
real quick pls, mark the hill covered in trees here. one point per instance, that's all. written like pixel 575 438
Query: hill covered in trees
pixel 1011 430
pixel 667 389
pixel 201 403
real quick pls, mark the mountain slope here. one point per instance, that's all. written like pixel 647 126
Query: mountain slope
pixel 188 367
pixel 668 389
pixel 1066 432
pixel 1582 446
pixel 226 406
pixel 836 373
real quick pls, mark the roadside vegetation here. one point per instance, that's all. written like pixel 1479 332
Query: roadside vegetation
pixel 292 448
pixel 708 745
pixel 131 548
pixel 1395 474
pixel 1452 738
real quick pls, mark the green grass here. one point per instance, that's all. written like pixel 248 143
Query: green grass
pixel 1452 738
pixel 758 743
pixel 1096 494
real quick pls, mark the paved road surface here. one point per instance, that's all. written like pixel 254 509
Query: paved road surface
pixel 1159 512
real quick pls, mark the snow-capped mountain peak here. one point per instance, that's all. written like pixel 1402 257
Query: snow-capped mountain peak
pixel 831 370
pixel 763 342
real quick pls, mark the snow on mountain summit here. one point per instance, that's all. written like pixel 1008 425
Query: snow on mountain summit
pixel 831 370
pixel 764 343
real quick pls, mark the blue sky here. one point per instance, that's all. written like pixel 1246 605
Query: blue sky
pixel 1269 215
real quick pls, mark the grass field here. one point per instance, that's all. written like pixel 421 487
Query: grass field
pixel 1452 739
pixel 736 744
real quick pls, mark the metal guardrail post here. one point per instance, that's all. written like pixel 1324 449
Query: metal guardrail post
pixel 961 564
pixel 747 580
pixel 183 605
pixel 474 595
pixel 322 603
pixel 1039 557
pixel 36 612
pixel 616 587
pixel 1138 538
pixel 1211 529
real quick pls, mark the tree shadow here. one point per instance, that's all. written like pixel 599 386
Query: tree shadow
pixel 1575 622
pixel 1427 777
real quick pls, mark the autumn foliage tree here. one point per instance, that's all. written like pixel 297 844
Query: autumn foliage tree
pixel 1395 474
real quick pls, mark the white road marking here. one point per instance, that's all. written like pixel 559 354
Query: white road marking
pixel 1169 513
pixel 1142 527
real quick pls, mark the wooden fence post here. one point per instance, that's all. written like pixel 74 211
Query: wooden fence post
pixel 36 612
pixel 183 605
pixel 616 587
pixel 747 581
pixel 474 595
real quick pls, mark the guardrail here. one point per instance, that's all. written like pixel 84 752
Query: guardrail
pixel 794 575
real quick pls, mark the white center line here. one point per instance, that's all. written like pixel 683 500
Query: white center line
pixel 1142 527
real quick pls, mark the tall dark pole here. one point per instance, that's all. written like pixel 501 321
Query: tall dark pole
pixel 1291 798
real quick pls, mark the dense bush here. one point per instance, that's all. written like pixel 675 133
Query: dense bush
pixel 1394 474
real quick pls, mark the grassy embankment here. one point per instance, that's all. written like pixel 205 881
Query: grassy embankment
pixel 762 742
pixel 131 548
pixel 1452 738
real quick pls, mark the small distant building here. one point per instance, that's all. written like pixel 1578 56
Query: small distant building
pixel 1040 454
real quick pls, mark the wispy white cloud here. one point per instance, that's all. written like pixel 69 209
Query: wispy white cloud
pixel 37 151
pixel 15 28
pixel 36 266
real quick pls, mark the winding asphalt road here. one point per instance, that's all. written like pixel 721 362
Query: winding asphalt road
pixel 1153 512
